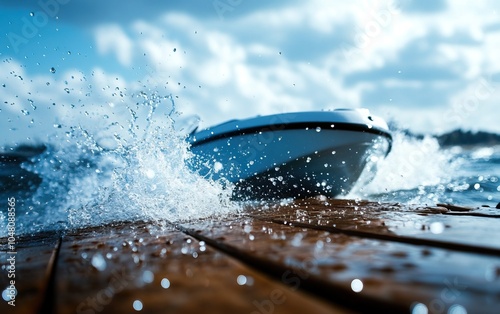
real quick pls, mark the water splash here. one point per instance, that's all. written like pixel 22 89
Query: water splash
pixel 416 171
pixel 123 172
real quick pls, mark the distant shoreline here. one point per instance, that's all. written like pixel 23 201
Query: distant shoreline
pixel 468 139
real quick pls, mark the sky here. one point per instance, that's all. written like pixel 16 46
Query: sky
pixel 428 66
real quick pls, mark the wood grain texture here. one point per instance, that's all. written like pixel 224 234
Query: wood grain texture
pixel 316 255
pixel 35 259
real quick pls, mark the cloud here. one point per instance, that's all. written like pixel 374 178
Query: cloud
pixel 422 95
pixel 111 38
pixel 37 108
pixel 429 63
pixel 492 28
pixel 263 59
pixel 305 44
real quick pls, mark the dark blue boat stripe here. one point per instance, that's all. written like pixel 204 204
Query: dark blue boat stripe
pixel 294 126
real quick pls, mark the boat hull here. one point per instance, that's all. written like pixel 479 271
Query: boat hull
pixel 281 161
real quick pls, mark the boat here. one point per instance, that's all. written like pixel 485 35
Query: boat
pixel 292 155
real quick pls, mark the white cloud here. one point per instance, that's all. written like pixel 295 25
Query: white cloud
pixel 41 106
pixel 243 76
pixel 112 38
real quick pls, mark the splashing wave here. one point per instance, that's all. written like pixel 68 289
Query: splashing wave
pixel 140 172
pixel 418 166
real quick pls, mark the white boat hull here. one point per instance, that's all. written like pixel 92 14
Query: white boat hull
pixel 293 158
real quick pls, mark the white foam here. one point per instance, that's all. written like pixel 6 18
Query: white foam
pixel 413 163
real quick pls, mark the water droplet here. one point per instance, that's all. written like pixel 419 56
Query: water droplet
pixel 319 245
pixel 175 49
pixel 52 70
pixel 357 285
pixel 241 280
pixel 9 294
pixel 165 283
pixel 57 126
pixel 99 262
pixel 318 129
pixel 457 309
pixel 203 248
pixel 148 276
pixel 477 186
pixel 137 305
pixel 25 112
pixel 437 227
pixel 32 14
pixel 297 239
pixel 218 167
pixel 419 308
pixel 32 104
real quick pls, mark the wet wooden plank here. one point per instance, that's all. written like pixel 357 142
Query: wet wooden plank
pixel 395 276
pixel 284 258
pixel 467 230
pixel 34 262
pixel 162 270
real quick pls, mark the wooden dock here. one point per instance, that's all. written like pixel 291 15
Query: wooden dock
pixel 306 256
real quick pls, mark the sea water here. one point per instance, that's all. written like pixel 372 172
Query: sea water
pixel 139 170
